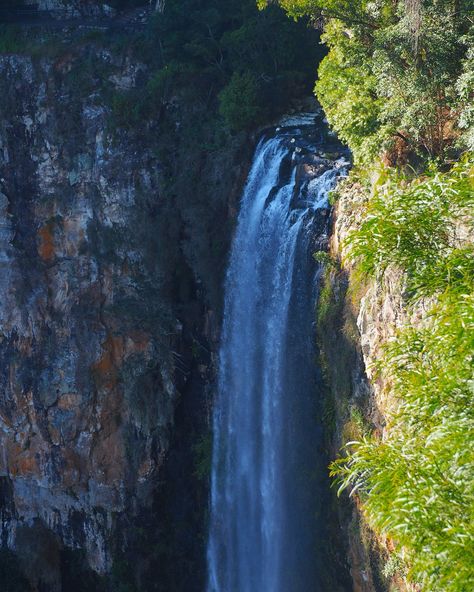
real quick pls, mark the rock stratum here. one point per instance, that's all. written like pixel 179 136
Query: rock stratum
pixel 106 318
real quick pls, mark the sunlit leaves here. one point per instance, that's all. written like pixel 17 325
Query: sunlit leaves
pixel 346 90
pixel 417 483
pixel 419 226
pixel 395 70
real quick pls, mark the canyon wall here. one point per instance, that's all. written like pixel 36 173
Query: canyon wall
pixel 108 316
pixel 357 317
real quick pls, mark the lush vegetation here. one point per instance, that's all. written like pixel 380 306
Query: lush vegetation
pixel 416 483
pixel 253 61
pixel 398 86
pixel 246 65
pixel 398 76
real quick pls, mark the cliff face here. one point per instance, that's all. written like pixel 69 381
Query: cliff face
pixel 357 318
pixel 74 7
pixel 379 305
pixel 105 320
pixel 71 364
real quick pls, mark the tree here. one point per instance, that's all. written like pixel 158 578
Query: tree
pixel 240 102
pixel 411 54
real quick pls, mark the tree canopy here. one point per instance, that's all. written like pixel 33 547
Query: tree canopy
pixel 399 75
pixel 254 61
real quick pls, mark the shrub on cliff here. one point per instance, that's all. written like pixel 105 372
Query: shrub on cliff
pixel 417 483
pixel 240 103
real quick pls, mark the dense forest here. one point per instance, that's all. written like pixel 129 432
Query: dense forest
pixel 398 87
pixel 252 63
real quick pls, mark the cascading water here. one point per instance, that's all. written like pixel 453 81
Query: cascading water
pixel 267 466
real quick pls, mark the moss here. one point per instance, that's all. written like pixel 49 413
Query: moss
pixel 203 457
pixel 356 425
pixel 29 41
pixel 11 40
pixel 345 412
pixel 88 74
pixel 337 337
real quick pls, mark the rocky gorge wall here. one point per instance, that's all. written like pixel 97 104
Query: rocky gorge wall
pixel 357 317
pixel 108 319
pixel 83 8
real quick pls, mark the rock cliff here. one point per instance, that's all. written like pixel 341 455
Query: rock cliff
pixel 357 318
pixel 108 316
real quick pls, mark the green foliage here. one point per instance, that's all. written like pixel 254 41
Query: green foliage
pixel 348 95
pixel 324 258
pixel 325 300
pixel 416 484
pixel 465 90
pixel 358 423
pixel 11 40
pixel 29 41
pixel 123 109
pixel 348 10
pixel 414 225
pixel 161 83
pixel 203 457
pixel 240 103
pixel 398 76
pixel 418 84
pixel 134 108
pixel 255 62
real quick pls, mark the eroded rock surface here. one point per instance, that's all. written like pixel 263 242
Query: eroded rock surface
pixel 108 314
pixel 75 347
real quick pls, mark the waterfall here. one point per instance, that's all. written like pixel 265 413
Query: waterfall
pixel 267 466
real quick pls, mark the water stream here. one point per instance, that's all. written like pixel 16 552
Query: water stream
pixel 268 469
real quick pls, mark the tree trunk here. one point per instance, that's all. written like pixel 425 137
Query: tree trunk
pixel 414 13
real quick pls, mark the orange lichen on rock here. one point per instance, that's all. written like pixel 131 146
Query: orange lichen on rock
pixel 137 342
pixel 46 247
pixel 69 401
pixel 74 470
pixel 116 348
pixel 108 457
pixel 25 464
pixel 106 368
